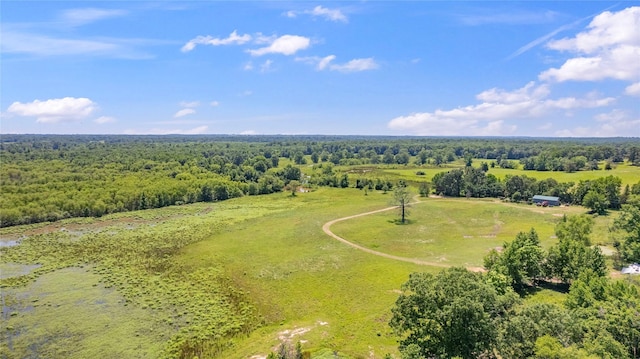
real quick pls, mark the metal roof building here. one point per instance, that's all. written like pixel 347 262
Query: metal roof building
pixel 551 201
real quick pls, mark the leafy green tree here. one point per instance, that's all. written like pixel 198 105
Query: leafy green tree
pixel 401 198
pixel 293 187
pixel 454 313
pixel 596 202
pixel 402 158
pixel 424 189
pixel 521 260
pixel 548 347
pixel 572 255
pixel 575 228
pixel 629 221
pixel 521 329
pixel 388 157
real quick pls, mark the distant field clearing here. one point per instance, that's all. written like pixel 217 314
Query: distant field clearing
pixel 451 231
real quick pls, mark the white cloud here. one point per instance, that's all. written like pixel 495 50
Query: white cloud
pixel 329 14
pixel 77 17
pixel 356 65
pixel 285 45
pixel 104 119
pixel 248 66
pixel 232 39
pixel 529 91
pixel 613 123
pixel 248 132
pixel 325 63
pixel 19 42
pixel 246 93
pixel 528 102
pixel 609 48
pixel 57 110
pixel 214 103
pixel 319 11
pixel 633 89
pixel 184 112
pixel 189 104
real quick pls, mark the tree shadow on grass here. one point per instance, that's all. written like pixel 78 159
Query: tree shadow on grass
pixel 398 221
pixel 556 287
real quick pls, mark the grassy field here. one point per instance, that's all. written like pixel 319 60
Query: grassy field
pixel 458 232
pixel 627 173
pixel 270 249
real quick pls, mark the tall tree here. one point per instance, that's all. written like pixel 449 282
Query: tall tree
pixel 401 198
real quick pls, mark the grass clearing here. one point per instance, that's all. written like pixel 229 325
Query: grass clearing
pixel 457 232
pixel 628 174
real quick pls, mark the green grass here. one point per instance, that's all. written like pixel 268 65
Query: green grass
pixel 267 252
pixel 300 277
pixel 456 232
pixel 628 174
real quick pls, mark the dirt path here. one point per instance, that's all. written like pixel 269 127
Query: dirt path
pixel 327 229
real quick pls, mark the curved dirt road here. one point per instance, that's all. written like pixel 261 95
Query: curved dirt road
pixel 327 229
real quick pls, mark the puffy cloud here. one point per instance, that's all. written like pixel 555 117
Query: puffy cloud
pixel 214 103
pixel 605 30
pixel 184 112
pixel 285 45
pixel 104 119
pixel 633 89
pixel 325 63
pixel 232 39
pixel 57 110
pixel 498 105
pixel 319 11
pixel 609 48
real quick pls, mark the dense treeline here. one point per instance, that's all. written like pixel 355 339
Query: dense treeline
pixel 599 195
pixel 47 177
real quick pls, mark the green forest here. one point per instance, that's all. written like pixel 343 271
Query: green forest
pixel 47 178
pixel 219 243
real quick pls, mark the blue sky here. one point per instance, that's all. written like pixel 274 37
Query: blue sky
pixel 534 68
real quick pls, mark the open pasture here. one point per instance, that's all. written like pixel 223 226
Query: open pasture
pixel 456 232
pixel 628 174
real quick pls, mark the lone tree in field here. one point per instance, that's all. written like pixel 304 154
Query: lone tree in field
pixel 401 198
